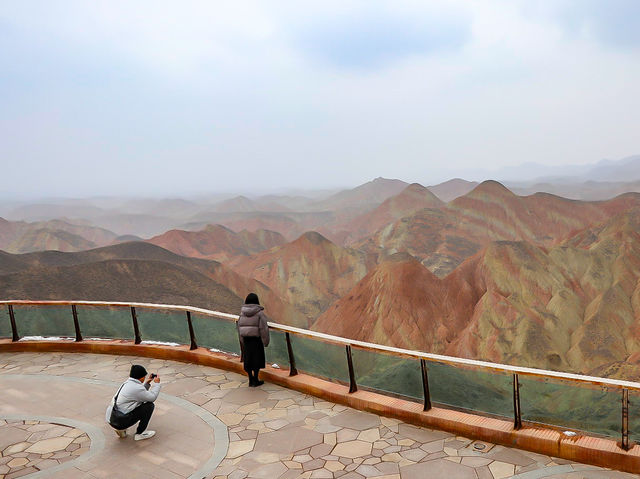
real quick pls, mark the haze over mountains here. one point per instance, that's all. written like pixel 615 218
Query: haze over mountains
pixel 462 268
pixel 293 213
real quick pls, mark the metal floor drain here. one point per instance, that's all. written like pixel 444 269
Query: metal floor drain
pixel 480 446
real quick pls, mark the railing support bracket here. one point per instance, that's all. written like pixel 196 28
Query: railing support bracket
pixel 136 329
pixel 517 414
pixel 192 335
pixel 425 385
pixel 625 420
pixel 353 387
pixel 76 323
pixel 292 360
pixel 14 328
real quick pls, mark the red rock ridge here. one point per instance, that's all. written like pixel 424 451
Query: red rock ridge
pixel 310 272
pixel 217 242
pixel 573 307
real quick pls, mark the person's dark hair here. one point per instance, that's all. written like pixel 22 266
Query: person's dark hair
pixel 252 298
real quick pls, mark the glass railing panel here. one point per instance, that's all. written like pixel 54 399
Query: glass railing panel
pixel 384 372
pixel 277 353
pixel 571 404
pixel 217 334
pixel 320 359
pixel 44 320
pixel 5 323
pixel 163 326
pixel 105 322
pixel 472 389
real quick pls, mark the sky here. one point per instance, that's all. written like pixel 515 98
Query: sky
pixel 178 98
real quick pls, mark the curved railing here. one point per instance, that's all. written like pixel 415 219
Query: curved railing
pixel 592 404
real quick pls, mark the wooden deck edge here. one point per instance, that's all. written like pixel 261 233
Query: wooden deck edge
pixel 542 440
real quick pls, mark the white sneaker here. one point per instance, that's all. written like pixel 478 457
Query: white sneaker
pixel 122 433
pixel 145 435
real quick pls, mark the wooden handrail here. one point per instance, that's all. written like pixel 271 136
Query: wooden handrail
pixel 407 353
pixel 207 312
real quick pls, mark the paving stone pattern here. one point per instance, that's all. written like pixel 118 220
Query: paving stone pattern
pixel 275 432
pixel 31 446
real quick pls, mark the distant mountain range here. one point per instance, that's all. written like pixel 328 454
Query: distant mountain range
pixel 478 270
pixel 587 191
pixel 443 237
pixel 23 237
pixel 623 170
pixel 293 214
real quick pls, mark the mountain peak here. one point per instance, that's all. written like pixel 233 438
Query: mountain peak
pixel 491 188
pixel 368 194
pixel 381 179
pixel 314 238
pixel 213 228
pixel 415 187
pixel 452 189
pixel 235 205
pixel 417 191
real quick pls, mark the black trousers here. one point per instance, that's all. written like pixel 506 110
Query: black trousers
pixel 143 414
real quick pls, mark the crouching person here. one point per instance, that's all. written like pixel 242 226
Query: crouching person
pixel 133 403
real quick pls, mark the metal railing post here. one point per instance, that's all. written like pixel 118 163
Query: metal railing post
pixel 517 416
pixel 76 324
pixel 191 333
pixel 625 420
pixel 14 328
pixel 292 360
pixel 353 387
pixel 425 385
pixel 136 329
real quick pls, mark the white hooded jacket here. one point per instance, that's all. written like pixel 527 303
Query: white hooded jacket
pixel 132 394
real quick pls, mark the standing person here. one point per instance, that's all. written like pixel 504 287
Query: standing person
pixel 135 398
pixel 253 333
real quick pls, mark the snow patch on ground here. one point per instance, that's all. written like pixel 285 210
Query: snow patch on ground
pixel 161 343
pixel 46 338
pixel 214 350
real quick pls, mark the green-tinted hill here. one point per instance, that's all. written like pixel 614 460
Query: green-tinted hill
pixel 46 239
pixel 49 265
pixel 121 280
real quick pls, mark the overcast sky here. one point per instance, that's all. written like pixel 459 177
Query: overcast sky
pixel 154 97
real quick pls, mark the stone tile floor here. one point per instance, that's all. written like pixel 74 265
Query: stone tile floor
pixel 273 432
pixel 31 446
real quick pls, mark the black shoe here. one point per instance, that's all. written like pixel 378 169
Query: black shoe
pixel 258 383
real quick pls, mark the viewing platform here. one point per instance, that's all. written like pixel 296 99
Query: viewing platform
pixel 330 407
pixel 210 424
